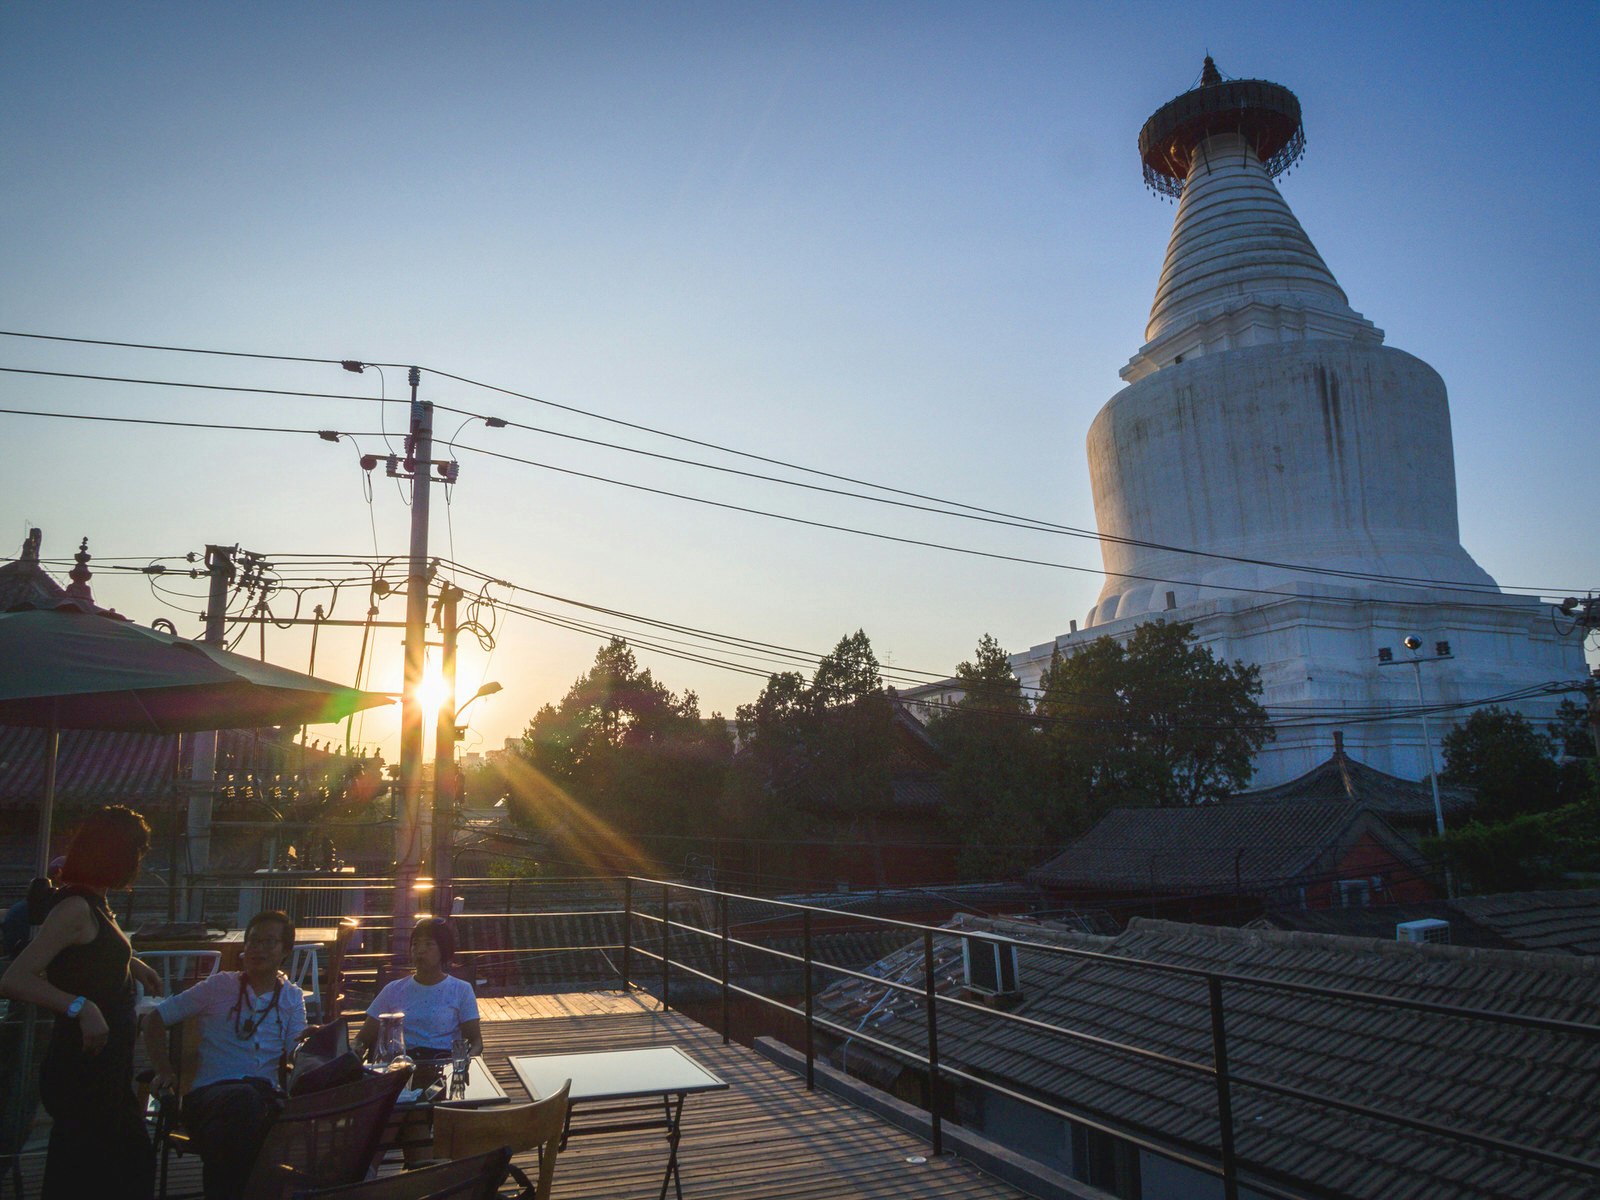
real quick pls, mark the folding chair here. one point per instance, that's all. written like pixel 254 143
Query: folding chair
pixel 179 969
pixel 325 1139
pixel 475 1178
pixel 459 1132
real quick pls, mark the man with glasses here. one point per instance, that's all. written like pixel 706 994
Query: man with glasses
pixel 249 1021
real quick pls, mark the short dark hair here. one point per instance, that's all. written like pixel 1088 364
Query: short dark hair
pixel 439 930
pixel 285 922
pixel 107 848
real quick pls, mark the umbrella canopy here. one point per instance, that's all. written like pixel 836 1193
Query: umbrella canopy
pixel 80 671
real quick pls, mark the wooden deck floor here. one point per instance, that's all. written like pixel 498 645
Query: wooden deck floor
pixel 766 1138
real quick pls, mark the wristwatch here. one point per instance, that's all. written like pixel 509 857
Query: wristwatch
pixel 76 1007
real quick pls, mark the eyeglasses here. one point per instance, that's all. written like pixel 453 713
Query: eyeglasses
pixel 263 942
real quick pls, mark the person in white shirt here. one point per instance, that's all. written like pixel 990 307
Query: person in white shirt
pixel 437 1006
pixel 249 1022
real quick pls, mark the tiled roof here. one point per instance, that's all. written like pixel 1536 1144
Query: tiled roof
pixel 101 767
pixel 1549 922
pixel 1528 1086
pixel 1342 778
pixel 574 951
pixel 1215 847
pixel 1558 922
pixel 888 902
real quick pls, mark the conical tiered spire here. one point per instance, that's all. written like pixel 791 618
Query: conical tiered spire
pixel 1239 270
pixel 1233 237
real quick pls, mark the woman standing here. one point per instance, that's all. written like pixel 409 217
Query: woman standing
pixel 81 967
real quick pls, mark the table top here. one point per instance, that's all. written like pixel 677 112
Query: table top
pixel 319 935
pixel 482 1087
pixel 615 1074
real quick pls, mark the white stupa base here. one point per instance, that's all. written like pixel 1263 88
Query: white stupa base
pixel 1318 652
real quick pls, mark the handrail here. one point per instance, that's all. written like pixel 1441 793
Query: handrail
pixel 1225 1163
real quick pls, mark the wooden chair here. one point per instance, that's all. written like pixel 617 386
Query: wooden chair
pixel 326 1139
pixel 462 1132
pixel 475 1178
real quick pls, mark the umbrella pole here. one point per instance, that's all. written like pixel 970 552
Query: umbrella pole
pixel 52 748
pixel 172 834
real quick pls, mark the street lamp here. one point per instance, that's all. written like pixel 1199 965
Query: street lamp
pixel 1441 651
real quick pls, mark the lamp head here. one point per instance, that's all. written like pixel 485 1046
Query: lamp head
pixel 1412 643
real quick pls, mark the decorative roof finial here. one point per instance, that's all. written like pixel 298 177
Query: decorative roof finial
pixel 80 575
pixel 1266 115
pixel 30 546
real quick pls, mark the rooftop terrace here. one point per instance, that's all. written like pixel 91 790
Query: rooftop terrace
pixel 766 1138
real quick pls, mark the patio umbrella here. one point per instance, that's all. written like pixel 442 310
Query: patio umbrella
pixel 61 669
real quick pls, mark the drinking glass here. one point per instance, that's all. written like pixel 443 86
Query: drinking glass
pixel 460 1064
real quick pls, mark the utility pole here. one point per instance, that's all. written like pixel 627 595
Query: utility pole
pixel 1441 651
pixel 407 851
pixel 203 770
pixel 1586 612
pixel 446 799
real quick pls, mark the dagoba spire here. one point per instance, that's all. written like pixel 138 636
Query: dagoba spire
pixel 1239 268
pixel 80 575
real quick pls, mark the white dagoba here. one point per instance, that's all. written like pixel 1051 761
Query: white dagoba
pixel 1277 476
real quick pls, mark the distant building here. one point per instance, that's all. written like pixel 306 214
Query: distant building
pixel 1226 863
pixel 1275 475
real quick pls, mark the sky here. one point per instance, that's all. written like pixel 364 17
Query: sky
pixel 907 244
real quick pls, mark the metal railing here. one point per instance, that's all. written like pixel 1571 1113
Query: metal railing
pixel 655 906
pixel 1220 1160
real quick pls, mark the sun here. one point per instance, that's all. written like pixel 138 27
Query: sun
pixel 431 692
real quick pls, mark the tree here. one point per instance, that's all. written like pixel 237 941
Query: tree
pixel 1507 764
pixel 1153 721
pixel 623 757
pixel 998 805
pixel 813 750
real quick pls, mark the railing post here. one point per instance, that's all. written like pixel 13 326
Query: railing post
pixel 931 995
pixel 722 912
pixel 627 930
pixel 666 946
pixel 811 1042
pixel 1219 1048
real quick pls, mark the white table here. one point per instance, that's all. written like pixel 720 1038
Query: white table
pixel 622 1081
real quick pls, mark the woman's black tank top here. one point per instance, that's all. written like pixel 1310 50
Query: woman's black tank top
pixel 98 969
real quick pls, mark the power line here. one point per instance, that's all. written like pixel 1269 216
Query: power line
pixel 970 511
pixel 327 435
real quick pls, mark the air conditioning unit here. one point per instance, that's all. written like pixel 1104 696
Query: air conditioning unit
pixel 989 968
pixel 1430 929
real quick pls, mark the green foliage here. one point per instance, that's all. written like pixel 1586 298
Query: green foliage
pixel 1571 731
pixel 635 757
pixel 1154 721
pixel 813 749
pixel 1526 852
pixel 514 868
pixel 1507 764
pixel 998 805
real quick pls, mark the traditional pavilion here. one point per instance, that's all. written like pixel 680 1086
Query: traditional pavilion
pixel 1277 476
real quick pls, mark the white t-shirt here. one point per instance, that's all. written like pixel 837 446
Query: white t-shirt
pixel 433 1011
pixel 224 1054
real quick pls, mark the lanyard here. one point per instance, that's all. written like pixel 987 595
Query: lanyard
pixel 253 1022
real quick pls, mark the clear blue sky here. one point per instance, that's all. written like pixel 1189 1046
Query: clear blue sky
pixel 904 242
